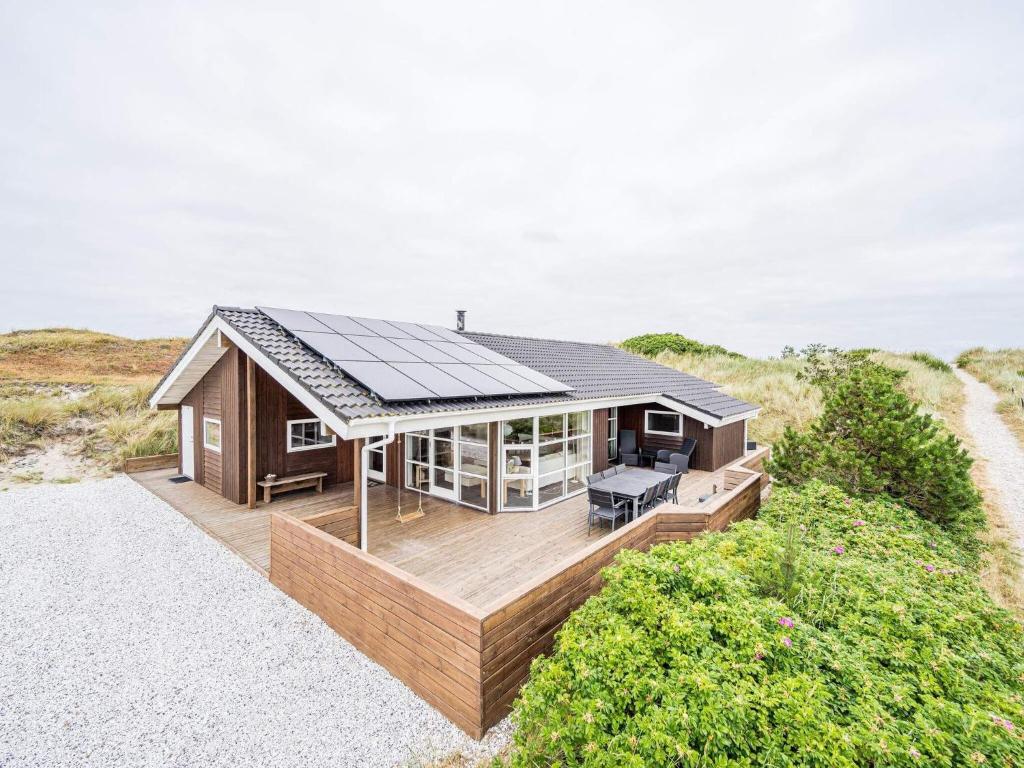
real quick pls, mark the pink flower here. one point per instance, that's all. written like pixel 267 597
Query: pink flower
pixel 914 753
pixel 758 655
pixel 929 567
pixel 1004 723
pixel 839 549
pixel 932 545
pixel 859 523
pixel 787 642
pixel 785 621
pixel 847 501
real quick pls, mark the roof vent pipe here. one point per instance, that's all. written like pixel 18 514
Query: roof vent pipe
pixel 460 319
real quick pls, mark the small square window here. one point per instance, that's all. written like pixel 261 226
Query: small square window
pixel 308 434
pixel 211 434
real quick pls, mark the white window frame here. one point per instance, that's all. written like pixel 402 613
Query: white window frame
pixel 649 431
pixel 457 472
pixel 613 433
pixel 534 477
pixel 220 433
pixel 318 446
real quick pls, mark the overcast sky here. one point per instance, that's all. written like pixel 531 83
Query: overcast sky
pixel 749 174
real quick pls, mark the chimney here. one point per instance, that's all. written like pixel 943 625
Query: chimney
pixel 460 319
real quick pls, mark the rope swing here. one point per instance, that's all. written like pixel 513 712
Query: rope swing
pixel 418 512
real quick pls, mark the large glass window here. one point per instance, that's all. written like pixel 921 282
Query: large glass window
pixel 544 459
pixel 663 423
pixel 449 462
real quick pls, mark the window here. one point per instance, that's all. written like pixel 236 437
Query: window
pixel 663 423
pixel 613 433
pixel 545 459
pixel 307 435
pixel 451 463
pixel 211 433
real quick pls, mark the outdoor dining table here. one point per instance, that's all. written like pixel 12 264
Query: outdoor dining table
pixel 631 484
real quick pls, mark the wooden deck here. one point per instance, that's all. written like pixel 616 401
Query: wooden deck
pixel 476 556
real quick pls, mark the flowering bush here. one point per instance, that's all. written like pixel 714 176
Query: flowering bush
pixel 690 657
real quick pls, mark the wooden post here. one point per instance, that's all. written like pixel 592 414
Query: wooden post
pixel 250 419
pixel 357 475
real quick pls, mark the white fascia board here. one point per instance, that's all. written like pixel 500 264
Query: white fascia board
pixel 416 422
pixel 184 363
pixel 218 326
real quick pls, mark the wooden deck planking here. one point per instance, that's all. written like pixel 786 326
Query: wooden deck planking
pixel 476 556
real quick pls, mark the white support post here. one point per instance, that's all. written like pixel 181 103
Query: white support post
pixel 363 465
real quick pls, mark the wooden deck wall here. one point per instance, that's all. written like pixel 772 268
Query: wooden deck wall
pixel 469 662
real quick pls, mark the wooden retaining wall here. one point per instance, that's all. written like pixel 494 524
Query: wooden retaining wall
pixel 466 661
pixel 146 463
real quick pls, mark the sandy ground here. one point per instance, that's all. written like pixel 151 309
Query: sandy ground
pixel 997 445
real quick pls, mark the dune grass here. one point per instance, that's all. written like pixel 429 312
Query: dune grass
pixel 59 382
pixel 1003 370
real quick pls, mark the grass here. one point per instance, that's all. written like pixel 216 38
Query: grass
pixel 67 355
pixel 59 382
pixel 1003 370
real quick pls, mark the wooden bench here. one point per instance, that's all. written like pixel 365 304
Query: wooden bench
pixel 292 483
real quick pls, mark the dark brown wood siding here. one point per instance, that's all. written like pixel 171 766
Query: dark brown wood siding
pixel 716 446
pixel 599 432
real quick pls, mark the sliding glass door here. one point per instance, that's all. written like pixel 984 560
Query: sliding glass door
pixel 451 463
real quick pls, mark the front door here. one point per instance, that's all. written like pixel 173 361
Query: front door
pixel 377 466
pixel 188 442
pixel 442 460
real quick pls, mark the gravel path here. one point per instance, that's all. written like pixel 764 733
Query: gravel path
pixel 998 446
pixel 128 637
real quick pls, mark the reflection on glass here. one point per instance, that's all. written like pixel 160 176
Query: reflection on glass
pixel 473 433
pixel 551 487
pixel 445 434
pixel 417 448
pixel 444 454
pixel 551 427
pixel 473 491
pixel 579 423
pixel 444 478
pixel 518 461
pixel 613 449
pixel 473 458
pixel 417 476
pixel 552 457
pixel 518 493
pixel 517 431
pixel 578 451
pixel 575 479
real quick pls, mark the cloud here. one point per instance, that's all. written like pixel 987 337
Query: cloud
pixel 752 176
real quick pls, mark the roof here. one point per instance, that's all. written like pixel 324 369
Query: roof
pixel 594 371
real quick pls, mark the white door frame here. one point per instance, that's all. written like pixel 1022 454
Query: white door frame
pixel 188 442
pixel 438 490
pixel 382 475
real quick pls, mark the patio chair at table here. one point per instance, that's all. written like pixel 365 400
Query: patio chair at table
pixel 664 489
pixel 649 500
pixel 610 472
pixel 673 488
pixel 663 466
pixel 620 468
pixel 591 479
pixel 604 506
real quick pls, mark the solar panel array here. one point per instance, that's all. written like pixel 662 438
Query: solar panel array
pixel 410 361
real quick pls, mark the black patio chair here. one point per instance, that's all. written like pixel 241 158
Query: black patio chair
pixel 664 487
pixel 649 500
pixel 662 455
pixel 673 488
pixel 610 472
pixel 664 466
pixel 630 459
pixel 591 479
pixel 682 459
pixel 627 441
pixel 604 506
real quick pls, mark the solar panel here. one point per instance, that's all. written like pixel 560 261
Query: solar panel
pixel 409 361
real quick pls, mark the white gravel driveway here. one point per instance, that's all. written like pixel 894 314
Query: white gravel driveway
pixel 129 638
pixel 998 446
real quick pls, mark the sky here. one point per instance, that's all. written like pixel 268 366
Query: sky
pixel 748 174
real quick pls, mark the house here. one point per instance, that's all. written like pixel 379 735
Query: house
pixel 492 436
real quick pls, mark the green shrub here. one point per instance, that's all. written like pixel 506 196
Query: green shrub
pixel 884 652
pixel 653 344
pixel 871 439
pixel 932 361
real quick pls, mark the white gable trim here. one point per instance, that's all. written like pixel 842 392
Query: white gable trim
pixel 218 326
